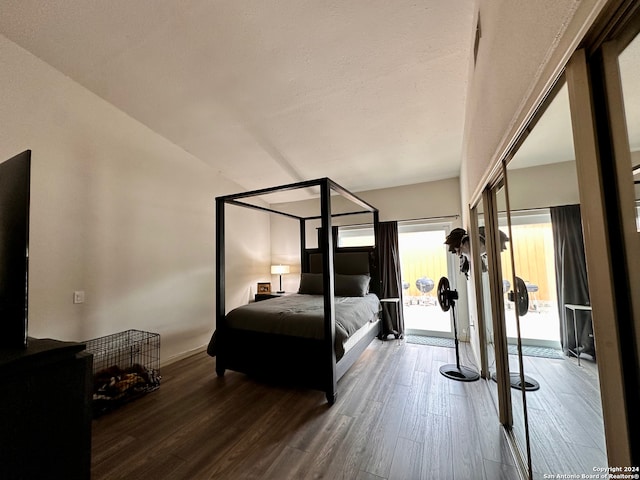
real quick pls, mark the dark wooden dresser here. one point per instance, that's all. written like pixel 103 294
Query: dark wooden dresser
pixel 45 411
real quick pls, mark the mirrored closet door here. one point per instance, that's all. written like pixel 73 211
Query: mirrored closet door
pixel 621 61
pixel 490 245
pixel 551 306
pixel 541 321
pixel 489 299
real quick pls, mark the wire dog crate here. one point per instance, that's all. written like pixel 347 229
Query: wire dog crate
pixel 126 365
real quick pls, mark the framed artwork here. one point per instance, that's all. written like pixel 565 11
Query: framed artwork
pixel 264 287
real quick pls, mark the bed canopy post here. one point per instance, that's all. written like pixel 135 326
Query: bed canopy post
pixel 326 247
pixel 220 278
pixel 304 263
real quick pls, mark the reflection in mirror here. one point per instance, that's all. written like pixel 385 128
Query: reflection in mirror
pixel 564 415
pixel 629 62
pixel 485 298
pixel 519 428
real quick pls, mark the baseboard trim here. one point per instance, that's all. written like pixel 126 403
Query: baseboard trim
pixel 182 356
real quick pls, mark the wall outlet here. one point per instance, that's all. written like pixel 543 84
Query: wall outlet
pixel 78 296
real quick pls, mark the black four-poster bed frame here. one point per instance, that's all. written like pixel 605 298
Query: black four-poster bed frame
pixel 312 362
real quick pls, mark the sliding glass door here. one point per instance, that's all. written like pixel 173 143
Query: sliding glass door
pixel 423 261
pixel 540 326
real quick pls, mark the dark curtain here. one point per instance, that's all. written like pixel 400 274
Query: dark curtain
pixel 393 319
pixel 571 277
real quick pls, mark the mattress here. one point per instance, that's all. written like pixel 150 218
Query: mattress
pixel 300 315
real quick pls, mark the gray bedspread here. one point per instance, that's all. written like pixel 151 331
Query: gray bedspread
pixel 303 316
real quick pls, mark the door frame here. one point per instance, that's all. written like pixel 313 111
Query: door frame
pixel 447 226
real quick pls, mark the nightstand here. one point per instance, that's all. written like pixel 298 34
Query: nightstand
pixel 266 296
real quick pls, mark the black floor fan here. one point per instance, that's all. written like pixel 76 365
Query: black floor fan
pixel 447 299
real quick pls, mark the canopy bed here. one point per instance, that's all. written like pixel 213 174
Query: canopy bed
pixel 311 337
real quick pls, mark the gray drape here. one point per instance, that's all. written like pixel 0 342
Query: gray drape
pixel 571 276
pixel 390 278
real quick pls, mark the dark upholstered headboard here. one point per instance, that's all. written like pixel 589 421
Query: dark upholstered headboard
pixel 347 261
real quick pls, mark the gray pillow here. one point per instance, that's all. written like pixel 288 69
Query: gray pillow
pixel 310 284
pixel 345 286
pixel 352 285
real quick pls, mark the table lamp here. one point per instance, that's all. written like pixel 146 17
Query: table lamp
pixel 279 270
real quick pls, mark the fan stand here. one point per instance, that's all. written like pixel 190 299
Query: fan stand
pixel 530 384
pixel 454 372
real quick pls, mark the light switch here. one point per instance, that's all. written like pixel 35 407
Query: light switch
pixel 78 296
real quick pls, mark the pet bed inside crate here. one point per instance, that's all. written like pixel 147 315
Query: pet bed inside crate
pixel 126 365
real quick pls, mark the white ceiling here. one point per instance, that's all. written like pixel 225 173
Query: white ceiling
pixel 368 93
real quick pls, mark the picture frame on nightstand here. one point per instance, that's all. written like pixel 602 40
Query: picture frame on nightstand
pixel 264 287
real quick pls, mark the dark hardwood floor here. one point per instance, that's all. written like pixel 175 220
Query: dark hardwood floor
pixel 396 417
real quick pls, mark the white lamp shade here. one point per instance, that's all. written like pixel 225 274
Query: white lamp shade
pixel 279 269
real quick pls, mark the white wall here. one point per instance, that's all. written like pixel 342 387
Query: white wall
pixel 119 212
pixel 422 200
pixel 543 186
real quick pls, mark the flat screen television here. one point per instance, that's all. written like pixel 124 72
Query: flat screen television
pixel 15 179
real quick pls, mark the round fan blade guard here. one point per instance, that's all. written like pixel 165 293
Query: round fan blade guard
pixel 446 296
pixel 520 297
